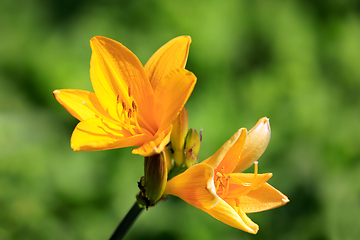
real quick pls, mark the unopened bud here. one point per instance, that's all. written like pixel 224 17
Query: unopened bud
pixel 192 147
pixel 155 176
pixel 178 134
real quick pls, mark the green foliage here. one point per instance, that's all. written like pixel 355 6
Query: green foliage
pixel 295 62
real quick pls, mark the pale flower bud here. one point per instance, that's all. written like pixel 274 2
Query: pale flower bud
pixel 178 134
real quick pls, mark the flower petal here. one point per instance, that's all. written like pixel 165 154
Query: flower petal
pixel 114 70
pixel 83 105
pixel 216 159
pixel 232 156
pixel 226 214
pixel 257 140
pixel 171 95
pixel 100 134
pixel 156 145
pixel 195 186
pixel 243 183
pixel 264 198
pixel 171 56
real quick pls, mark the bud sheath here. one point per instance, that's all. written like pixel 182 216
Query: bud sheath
pixel 155 176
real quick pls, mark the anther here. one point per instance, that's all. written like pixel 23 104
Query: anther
pixel 129 113
pixel 123 105
pixel 118 98
pixel 134 107
pixel 129 92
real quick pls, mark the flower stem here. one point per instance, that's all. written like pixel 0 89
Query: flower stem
pixel 127 222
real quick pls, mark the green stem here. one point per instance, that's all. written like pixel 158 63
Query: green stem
pixel 127 222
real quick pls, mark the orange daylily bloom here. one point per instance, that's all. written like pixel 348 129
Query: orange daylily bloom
pixel 215 187
pixel 132 105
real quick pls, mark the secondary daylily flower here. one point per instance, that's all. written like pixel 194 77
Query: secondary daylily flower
pixel 215 188
pixel 132 105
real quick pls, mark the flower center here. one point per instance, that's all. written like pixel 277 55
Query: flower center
pixel 128 113
pixel 222 182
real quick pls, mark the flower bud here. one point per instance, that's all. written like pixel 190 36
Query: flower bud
pixel 155 176
pixel 178 134
pixel 257 140
pixel 192 147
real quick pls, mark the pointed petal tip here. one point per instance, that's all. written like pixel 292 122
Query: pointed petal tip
pixel 285 199
pixel 253 229
pixel 265 122
pixel 256 142
pixel 93 39
pixel 183 37
pixel 187 37
pixel 55 92
pixel 96 38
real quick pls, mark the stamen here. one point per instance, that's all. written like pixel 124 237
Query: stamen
pixel 134 107
pixel 222 180
pixel 218 179
pixel 123 105
pixel 256 169
pixel 117 107
pixel 128 122
pixel 136 121
pixel 127 114
pixel 227 187
pixel 252 185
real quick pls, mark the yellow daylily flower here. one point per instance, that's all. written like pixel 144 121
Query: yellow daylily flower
pixel 215 187
pixel 132 105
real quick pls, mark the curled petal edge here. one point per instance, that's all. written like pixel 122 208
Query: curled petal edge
pixel 195 186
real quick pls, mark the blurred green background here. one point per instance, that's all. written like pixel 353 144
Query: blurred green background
pixel 296 62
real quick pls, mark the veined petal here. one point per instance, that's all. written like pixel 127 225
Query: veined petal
pixel 83 105
pixel 216 159
pixel 171 94
pixel 171 56
pixel 232 156
pixel 243 183
pixel 195 186
pixel 264 198
pixel 117 73
pixel 257 140
pixel 156 145
pixel 237 219
pixel 100 134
